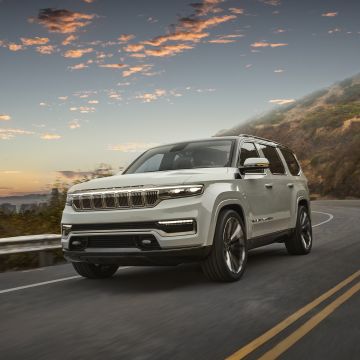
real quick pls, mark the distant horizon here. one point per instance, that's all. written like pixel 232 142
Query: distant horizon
pixel 89 83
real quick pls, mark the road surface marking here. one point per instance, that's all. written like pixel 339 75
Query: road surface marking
pixel 253 345
pixel 38 284
pixel 46 283
pixel 325 221
pixel 285 344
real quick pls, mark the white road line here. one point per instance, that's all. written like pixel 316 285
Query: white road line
pixel 46 283
pixel 38 284
pixel 325 221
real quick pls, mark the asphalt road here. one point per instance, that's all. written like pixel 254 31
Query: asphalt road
pixel 175 313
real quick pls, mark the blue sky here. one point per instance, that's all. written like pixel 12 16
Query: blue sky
pixel 85 82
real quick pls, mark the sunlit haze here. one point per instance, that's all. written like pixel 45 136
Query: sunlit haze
pixel 98 81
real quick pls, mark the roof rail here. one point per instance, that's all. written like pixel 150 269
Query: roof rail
pixel 259 138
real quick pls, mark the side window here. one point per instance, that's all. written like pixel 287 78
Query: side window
pixel 291 161
pixel 276 165
pixel 248 150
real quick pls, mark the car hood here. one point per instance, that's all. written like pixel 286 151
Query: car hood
pixel 159 178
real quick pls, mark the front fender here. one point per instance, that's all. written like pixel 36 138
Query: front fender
pixel 220 196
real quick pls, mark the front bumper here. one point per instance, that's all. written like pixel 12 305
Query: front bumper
pixel 168 210
pixel 137 257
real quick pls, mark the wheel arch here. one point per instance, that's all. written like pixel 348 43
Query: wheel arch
pixel 231 204
pixel 302 201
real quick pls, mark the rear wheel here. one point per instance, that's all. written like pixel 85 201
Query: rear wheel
pixel 228 255
pixel 300 242
pixel 95 271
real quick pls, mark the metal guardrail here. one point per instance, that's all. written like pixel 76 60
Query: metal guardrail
pixel 44 245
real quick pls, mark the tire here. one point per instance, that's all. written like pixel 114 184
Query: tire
pixel 300 242
pixel 94 271
pixel 227 259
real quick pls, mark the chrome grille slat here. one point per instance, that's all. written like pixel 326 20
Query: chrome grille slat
pixel 115 200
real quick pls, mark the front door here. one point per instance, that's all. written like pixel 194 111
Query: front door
pixel 259 195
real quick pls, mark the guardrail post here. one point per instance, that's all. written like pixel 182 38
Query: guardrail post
pixel 46 258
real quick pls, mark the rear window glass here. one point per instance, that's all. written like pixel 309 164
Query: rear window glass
pixel 291 162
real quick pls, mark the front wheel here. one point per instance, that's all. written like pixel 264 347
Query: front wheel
pixel 95 271
pixel 300 242
pixel 228 256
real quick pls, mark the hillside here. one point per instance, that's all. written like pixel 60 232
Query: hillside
pixel 324 131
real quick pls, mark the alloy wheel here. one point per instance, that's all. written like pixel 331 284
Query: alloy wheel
pixel 305 232
pixel 234 245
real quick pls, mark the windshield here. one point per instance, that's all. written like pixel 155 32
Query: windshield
pixel 187 155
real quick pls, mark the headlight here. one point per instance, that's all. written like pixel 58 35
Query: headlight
pixel 69 199
pixel 65 230
pixel 180 191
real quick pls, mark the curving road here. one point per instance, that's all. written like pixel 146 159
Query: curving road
pixel 281 308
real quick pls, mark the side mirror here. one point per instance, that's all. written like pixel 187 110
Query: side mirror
pixel 251 164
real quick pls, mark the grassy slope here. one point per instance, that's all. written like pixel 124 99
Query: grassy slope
pixel 324 131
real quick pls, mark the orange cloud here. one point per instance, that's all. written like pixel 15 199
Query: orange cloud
pixel 226 39
pixel 34 41
pixel 261 44
pixel 207 7
pixel 77 53
pixel 112 66
pixel 168 50
pixel 133 47
pixel 221 41
pixel 83 109
pixel 74 124
pixel 45 49
pixel 4 117
pixel 47 136
pixel 330 14
pixel 69 39
pixel 236 11
pixel 80 66
pixel 6 134
pixel 62 21
pixel 178 36
pixel 15 47
pixel 282 101
pixel 149 97
pixel 198 25
pixel 136 69
pixel 137 55
pixel 124 38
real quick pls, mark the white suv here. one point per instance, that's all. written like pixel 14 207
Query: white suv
pixel 209 200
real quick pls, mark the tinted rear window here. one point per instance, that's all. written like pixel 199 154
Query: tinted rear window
pixel 291 162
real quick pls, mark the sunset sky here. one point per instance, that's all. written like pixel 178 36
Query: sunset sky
pixel 85 82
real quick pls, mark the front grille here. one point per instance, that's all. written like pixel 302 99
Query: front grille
pixel 115 200
pixel 115 242
pixel 101 241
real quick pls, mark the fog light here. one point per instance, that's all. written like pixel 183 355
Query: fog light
pixel 78 243
pixel 146 242
pixel 178 226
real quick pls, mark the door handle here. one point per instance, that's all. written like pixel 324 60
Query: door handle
pixel 269 186
pixel 290 185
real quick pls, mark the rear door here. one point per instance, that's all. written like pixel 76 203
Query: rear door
pixel 279 188
pixel 296 182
